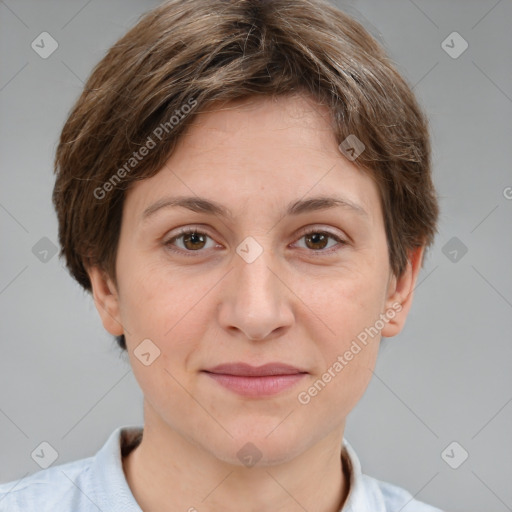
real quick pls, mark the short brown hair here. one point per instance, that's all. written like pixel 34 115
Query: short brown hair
pixel 196 52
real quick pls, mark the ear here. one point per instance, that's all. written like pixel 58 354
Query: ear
pixel 400 294
pixel 106 300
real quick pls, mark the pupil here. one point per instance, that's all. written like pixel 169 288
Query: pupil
pixel 194 238
pixel 318 238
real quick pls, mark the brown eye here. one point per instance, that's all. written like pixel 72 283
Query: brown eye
pixel 193 241
pixel 318 241
pixel 190 240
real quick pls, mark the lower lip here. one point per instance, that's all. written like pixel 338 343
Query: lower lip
pixel 267 385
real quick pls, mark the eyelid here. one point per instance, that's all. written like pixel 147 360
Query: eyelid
pixel 319 229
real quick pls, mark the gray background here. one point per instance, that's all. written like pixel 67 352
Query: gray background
pixel 445 378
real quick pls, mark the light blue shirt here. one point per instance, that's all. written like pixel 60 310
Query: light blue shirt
pixel 98 484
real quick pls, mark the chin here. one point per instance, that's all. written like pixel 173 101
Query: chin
pixel 266 442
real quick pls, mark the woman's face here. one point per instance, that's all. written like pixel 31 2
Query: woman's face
pixel 280 278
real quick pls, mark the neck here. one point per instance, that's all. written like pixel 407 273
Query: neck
pixel 166 472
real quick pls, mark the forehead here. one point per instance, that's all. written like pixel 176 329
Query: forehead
pixel 263 152
pixel 295 119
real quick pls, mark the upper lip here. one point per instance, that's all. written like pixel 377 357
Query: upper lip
pixel 244 369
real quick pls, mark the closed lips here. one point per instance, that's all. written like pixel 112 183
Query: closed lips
pixel 246 370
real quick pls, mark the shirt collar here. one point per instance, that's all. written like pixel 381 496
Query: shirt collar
pixel 358 498
pixel 112 491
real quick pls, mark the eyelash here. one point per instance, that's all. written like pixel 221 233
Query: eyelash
pixel 194 231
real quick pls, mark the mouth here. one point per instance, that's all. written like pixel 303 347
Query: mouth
pixel 256 381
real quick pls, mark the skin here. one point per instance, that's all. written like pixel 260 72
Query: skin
pixel 301 302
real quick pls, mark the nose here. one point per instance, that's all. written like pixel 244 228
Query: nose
pixel 255 299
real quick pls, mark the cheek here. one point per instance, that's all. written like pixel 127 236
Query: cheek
pixel 348 312
pixel 332 394
pixel 348 348
pixel 154 299
pixel 174 311
pixel 345 303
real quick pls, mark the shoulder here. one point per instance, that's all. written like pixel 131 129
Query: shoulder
pixel 367 493
pixel 54 489
pixel 390 497
pixel 85 485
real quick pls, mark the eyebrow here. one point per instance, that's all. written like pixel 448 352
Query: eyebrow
pixel 202 205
